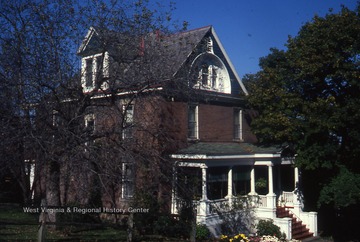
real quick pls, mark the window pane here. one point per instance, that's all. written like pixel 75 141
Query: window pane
pixel 89 73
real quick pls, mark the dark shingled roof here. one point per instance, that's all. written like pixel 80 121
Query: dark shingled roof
pixel 155 58
pixel 171 50
pixel 203 148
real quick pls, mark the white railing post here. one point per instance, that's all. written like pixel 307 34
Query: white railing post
pixel 313 223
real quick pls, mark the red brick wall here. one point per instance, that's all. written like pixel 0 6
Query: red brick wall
pixel 215 123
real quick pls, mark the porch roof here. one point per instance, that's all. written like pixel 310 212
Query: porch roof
pixel 226 149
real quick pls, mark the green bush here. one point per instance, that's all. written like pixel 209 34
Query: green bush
pixel 168 226
pixel 267 227
pixel 202 232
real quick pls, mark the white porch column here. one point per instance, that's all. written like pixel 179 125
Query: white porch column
pixel 252 181
pixel 230 183
pixel 271 197
pixel 203 204
pixel 296 178
pixel 271 179
pixel 204 183
pixel 296 200
pixel 229 195
pixel 173 192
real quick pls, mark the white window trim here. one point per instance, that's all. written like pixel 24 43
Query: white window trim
pixel 90 117
pixel 127 181
pixel 125 109
pixel 238 132
pixel 196 127
pixel 105 70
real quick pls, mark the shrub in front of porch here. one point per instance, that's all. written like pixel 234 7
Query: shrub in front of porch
pixel 267 227
pixel 237 215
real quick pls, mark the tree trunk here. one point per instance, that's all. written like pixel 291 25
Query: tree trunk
pixel 53 191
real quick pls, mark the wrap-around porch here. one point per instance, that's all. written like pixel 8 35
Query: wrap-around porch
pixel 213 181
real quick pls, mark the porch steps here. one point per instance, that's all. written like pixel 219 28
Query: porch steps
pixel 298 229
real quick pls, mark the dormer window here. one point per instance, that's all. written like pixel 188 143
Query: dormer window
pixel 89 74
pixel 94 69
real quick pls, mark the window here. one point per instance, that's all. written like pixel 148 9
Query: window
pixel 193 132
pixel 238 132
pixel 99 68
pixel 212 77
pixel 208 77
pixel 89 73
pixel 209 45
pixel 204 75
pixel 94 69
pixel 127 180
pixel 128 121
pixel 90 123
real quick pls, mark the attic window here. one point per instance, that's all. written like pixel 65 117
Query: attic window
pixel 209 45
pixel 208 76
pixel 208 72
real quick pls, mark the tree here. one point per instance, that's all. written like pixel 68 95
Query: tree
pixel 307 98
pixel 45 106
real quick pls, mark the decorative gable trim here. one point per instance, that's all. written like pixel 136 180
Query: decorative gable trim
pixel 243 88
pixel 86 40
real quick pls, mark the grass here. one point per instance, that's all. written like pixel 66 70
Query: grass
pixel 16 225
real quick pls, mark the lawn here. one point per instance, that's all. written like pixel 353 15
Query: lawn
pixel 16 225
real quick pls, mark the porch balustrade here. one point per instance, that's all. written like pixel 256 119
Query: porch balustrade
pixel 287 199
pixel 262 201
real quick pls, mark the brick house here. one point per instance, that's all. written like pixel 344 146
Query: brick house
pixel 176 102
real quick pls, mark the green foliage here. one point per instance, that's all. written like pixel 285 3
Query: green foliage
pixel 267 227
pixel 307 96
pixel 237 216
pixel 168 226
pixel 343 190
pixel 202 232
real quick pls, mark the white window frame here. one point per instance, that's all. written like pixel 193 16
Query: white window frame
pixel 128 185
pixel 193 132
pixel 90 118
pixel 128 121
pixel 238 124
pixel 94 70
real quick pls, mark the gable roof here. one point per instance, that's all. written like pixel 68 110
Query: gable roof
pixel 174 52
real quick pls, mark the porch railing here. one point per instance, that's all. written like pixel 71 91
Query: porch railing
pixel 286 198
pixel 262 201
pixel 220 205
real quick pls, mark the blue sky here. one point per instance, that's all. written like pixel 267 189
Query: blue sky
pixel 249 28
